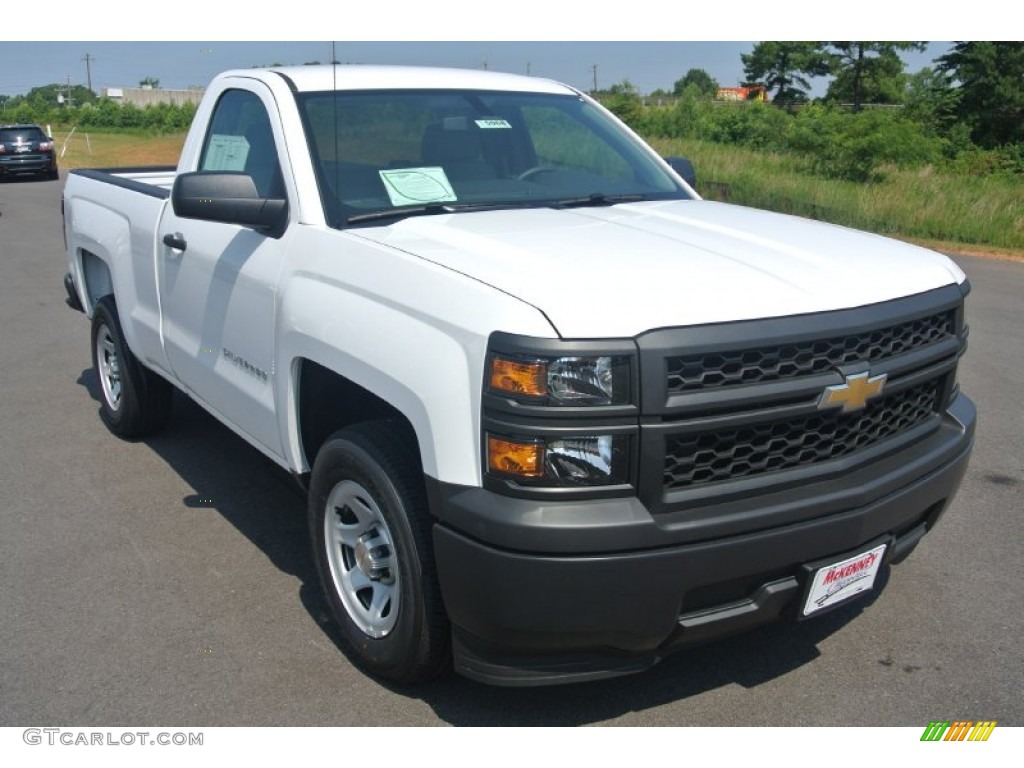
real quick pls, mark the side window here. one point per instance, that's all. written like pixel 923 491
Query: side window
pixel 240 139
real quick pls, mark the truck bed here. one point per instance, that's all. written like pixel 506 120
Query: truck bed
pixel 154 180
pixel 111 219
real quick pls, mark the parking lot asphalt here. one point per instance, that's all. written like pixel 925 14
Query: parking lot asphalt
pixel 169 580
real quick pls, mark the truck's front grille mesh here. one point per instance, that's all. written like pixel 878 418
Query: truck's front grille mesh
pixel 706 457
pixel 689 373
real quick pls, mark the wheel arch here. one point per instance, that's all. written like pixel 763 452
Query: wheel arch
pixel 324 401
pixel 385 363
pixel 97 281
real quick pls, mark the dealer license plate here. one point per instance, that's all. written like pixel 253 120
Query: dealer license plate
pixel 840 581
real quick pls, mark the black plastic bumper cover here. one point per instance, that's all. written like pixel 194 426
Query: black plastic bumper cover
pixel 526 619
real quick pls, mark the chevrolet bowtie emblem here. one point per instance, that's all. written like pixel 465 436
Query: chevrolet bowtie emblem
pixel 854 393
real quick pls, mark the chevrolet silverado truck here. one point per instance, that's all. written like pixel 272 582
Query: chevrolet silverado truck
pixel 555 415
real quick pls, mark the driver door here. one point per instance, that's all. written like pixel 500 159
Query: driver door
pixel 219 293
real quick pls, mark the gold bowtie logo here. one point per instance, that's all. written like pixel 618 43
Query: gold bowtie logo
pixel 854 393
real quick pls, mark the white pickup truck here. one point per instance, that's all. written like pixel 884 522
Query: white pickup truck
pixel 556 415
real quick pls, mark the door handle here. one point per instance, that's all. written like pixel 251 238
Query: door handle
pixel 175 241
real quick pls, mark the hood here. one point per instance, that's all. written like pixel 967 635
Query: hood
pixel 622 270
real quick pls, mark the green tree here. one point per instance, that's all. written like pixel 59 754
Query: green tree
pixel 784 67
pixel 858 146
pixel 931 100
pixel 623 100
pixel 152 82
pixel 704 82
pixel 45 96
pixel 991 87
pixel 868 72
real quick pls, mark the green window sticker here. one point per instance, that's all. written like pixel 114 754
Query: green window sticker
pixel 416 186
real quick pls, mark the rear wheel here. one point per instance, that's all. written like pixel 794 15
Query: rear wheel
pixel 135 402
pixel 372 544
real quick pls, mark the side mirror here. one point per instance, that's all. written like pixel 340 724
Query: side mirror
pixel 229 197
pixel 684 168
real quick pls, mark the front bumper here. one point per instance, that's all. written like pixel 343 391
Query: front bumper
pixel 552 613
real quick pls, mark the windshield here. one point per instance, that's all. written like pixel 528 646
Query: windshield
pixel 382 155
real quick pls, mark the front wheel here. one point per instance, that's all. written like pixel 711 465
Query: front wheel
pixel 372 545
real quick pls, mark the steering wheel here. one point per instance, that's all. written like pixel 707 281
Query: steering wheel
pixel 536 170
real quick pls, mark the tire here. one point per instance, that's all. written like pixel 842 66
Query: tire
pixel 372 545
pixel 134 401
pixel 53 174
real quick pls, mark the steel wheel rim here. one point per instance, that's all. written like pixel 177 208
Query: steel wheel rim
pixel 109 365
pixel 361 557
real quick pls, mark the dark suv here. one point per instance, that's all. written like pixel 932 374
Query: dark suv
pixel 26 149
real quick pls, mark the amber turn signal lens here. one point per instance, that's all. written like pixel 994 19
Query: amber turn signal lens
pixel 519 378
pixel 518 459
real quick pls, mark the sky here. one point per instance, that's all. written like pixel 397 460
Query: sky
pixel 647 64
pixel 652 43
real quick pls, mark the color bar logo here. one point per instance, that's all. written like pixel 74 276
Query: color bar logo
pixel 958 730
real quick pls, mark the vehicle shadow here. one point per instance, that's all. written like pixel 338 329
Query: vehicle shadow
pixel 25 178
pixel 265 505
pixel 747 660
pixel 231 477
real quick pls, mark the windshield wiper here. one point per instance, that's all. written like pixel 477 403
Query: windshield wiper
pixel 393 213
pixel 598 198
pixel 433 208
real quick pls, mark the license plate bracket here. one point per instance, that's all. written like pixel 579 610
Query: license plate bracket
pixel 835 581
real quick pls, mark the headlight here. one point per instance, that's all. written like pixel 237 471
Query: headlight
pixel 560 462
pixel 562 381
pixel 584 460
pixel 560 416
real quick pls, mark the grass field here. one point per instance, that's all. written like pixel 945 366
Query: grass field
pixel 109 150
pixel 923 205
pixel 981 214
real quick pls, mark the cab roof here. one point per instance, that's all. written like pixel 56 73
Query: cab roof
pixel 359 77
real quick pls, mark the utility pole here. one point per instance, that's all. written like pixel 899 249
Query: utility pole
pixel 594 68
pixel 88 70
pixel 69 92
pixel 485 62
pixel 527 69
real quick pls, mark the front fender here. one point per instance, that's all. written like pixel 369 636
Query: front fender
pixel 412 332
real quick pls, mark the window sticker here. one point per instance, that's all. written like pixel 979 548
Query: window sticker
pixel 226 153
pixel 492 122
pixel 416 186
